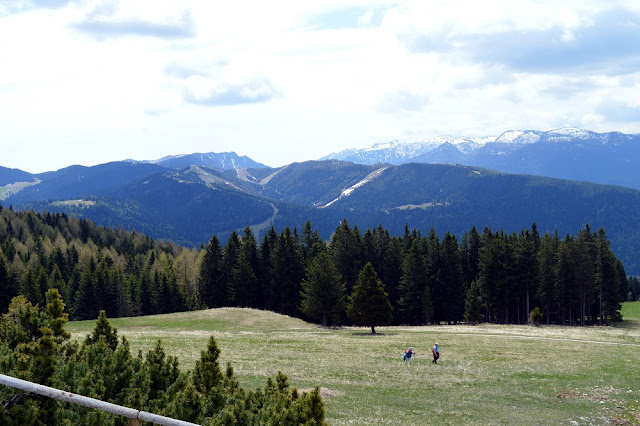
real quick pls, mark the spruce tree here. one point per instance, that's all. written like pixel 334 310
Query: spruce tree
pixel 322 296
pixel 347 251
pixel 368 303
pixel 607 280
pixel 412 286
pixel 212 287
pixel 286 275
pixel 472 305
pixel 452 278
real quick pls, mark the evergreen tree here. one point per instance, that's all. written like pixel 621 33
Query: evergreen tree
pixel 369 304
pixel 472 305
pixel 245 283
pixel 8 286
pixel 322 296
pixel 347 252
pixel 546 275
pixel 211 280
pixel 286 275
pixel 434 270
pixel 607 280
pixel 470 248
pixel 103 330
pixel 565 274
pixel 229 259
pixel 452 279
pixel 526 271
pixel 311 244
pixel 413 285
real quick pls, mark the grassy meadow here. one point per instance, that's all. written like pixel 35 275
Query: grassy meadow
pixel 487 374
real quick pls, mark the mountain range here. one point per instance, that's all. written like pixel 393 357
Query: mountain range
pixel 568 153
pixel 187 199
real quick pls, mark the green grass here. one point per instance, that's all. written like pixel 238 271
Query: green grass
pixel 631 311
pixel 488 374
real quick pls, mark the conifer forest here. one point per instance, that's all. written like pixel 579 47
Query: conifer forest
pixel 482 276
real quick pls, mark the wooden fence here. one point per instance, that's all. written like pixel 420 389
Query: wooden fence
pixel 136 416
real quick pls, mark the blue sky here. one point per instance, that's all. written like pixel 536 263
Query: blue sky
pixel 92 81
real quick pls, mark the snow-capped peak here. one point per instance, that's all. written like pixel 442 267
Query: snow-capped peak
pixel 519 136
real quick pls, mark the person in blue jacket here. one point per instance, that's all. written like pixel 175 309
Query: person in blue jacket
pixel 408 356
pixel 436 353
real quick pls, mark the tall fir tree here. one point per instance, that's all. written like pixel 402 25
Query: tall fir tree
pixel 286 275
pixel 546 274
pixel 347 252
pixel 322 296
pixel 413 284
pixel 452 279
pixel 212 285
pixel 472 305
pixel 369 304
pixel 607 280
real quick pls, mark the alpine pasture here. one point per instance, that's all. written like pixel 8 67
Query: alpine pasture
pixel 487 374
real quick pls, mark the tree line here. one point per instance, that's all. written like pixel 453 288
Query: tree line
pixel 490 276
pixel 487 276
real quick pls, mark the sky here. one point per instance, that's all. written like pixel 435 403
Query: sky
pixel 92 81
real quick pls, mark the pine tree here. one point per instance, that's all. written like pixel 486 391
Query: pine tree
pixel 211 280
pixel 368 303
pixel 8 286
pixel 526 271
pixel 322 296
pixel 434 274
pixel 607 280
pixel 472 305
pixel 347 252
pixel 412 286
pixel 244 283
pixel 565 273
pixel 452 278
pixel 286 275
pixel 546 276
pixel 229 259
pixel 245 286
pixel 105 331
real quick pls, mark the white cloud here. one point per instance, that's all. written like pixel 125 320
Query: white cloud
pixel 96 80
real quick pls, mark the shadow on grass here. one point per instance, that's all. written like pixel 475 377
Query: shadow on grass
pixel 377 333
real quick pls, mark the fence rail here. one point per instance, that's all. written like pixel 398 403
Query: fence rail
pixel 136 416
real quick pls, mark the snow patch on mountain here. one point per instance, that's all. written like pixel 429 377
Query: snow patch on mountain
pixel 519 137
pixel 346 192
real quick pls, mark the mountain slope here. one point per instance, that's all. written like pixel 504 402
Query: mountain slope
pixel 222 161
pixel 9 176
pixel 80 181
pixel 569 153
pixel 313 183
pixel 189 206
pixel 172 206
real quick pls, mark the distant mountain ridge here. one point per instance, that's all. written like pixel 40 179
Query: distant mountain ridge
pixel 189 205
pixel 567 153
pixel 189 198
pixel 222 161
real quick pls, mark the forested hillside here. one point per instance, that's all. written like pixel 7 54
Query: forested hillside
pixel 481 276
pixel 188 206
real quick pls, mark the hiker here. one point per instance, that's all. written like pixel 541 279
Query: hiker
pixel 436 353
pixel 408 356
